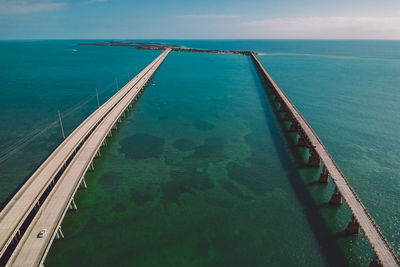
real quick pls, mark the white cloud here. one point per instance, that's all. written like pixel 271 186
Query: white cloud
pixel 326 27
pixel 207 16
pixel 15 7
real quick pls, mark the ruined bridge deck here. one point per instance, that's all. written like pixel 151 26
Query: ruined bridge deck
pixel 59 177
pixel 381 246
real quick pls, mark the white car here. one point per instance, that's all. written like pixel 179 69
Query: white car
pixel 41 233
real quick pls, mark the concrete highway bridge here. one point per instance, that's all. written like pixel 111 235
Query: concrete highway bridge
pixel 48 194
pixel 44 199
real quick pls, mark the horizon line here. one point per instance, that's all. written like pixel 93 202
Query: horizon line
pixel 205 39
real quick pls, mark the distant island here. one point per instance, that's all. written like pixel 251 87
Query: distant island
pixel 161 46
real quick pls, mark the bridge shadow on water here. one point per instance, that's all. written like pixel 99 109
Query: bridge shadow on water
pixel 293 164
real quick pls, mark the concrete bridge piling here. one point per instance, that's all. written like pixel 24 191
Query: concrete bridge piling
pixel 353 228
pixel 91 167
pixel 324 176
pixel 301 142
pixel 72 205
pixel 59 234
pixel 314 159
pixel 375 262
pixel 336 198
pixel 361 219
pixel 61 175
pixel 83 184
pixel 292 127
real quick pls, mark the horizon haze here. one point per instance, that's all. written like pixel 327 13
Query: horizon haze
pixel 177 19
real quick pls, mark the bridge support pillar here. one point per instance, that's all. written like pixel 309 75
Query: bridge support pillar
pixel 314 160
pixel 336 198
pixel 83 184
pixel 109 134
pixel 104 143
pixel 59 234
pixel 91 167
pixel 287 117
pixel 119 120
pixel 353 228
pixel 98 154
pixel 301 141
pixel 271 90
pixel 72 205
pixel 375 262
pixel 282 107
pixel 115 126
pixel 324 177
pixel 293 127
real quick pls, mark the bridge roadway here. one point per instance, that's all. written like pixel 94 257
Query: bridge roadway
pixel 381 246
pixel 69 161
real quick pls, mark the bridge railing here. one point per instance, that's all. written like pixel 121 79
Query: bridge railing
pixel 105 126
pixel 293 108
pixel 77 137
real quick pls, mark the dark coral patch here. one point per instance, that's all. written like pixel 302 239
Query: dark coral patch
pixel 171 191
pixel 212 150
pixel 190 174
pixel 193 178
pixel 185 181
pixel 90 225
pixel 203 125
pixel 110 181
pixel 203 246
pixel 78 253
pixel 119 207
pixel 232 189
pixel 223 203
pixel 184 144
pixel 139 198
pixel 253 178
pixel 142 146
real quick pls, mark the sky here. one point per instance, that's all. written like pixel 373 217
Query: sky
pixel 205 19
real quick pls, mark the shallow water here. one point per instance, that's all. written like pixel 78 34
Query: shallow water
pixel 221 198
pixel 201 172
pixel 40 77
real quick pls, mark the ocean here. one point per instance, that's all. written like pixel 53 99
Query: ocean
pixel 201 172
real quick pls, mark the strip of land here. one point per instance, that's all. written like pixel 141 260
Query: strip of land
pixel 162 46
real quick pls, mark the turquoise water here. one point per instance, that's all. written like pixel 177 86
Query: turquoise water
pixel 40 77
pixel 352 104
pixel 201 172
